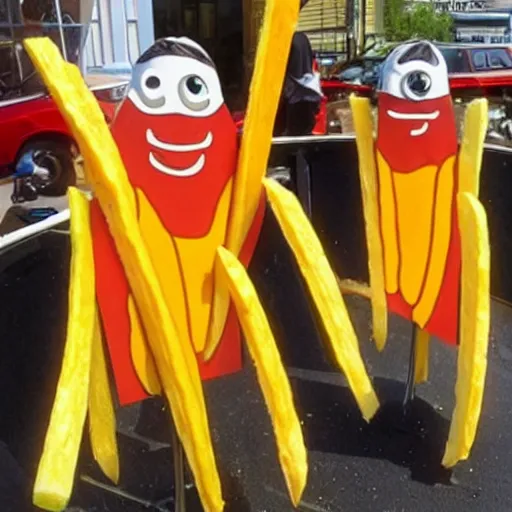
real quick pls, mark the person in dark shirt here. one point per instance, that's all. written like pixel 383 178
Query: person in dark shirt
pixel 301 95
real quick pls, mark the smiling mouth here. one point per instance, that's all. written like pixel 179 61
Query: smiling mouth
pixel 426 117
pixel 178 148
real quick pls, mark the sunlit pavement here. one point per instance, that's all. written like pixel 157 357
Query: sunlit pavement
pixel 390 465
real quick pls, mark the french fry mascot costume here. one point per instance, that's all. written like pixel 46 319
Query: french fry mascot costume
pixel 162 246
pixel 426 229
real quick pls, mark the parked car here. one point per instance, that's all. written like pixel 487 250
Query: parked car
pixel 469 65
pixel 32 130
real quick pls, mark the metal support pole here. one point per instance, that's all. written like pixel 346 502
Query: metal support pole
pixel 179 471
pixel 409 385
pixel 303 181
pixel 61 29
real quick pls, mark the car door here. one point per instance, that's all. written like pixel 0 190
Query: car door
pixel 9 93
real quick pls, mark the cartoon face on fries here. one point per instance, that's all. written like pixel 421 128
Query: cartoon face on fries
pixel 426 229
pixel 163 245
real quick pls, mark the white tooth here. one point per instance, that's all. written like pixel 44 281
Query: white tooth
pixel 420 131
pixel 180 173
pixel 430 116
pixel 178 148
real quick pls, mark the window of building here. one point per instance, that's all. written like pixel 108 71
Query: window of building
pixel 57 19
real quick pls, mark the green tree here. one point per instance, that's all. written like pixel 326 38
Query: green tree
pixel 421 21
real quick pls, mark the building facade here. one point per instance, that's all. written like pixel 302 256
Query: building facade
pixel 119 31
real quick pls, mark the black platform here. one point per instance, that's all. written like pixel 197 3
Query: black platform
pixel 389 465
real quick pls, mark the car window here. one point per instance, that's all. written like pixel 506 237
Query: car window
pixel 351 70
pixel 499 59
pixel 456 60
pixel 6 67
pixel 479 60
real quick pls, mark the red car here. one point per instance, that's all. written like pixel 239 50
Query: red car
pixel 31 128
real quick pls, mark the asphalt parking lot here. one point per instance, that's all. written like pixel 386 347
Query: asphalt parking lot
pixel 390 465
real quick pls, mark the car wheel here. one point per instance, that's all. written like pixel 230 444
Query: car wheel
pixel 56 156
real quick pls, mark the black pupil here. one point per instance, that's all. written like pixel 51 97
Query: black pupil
pixel 194 84
pixel 153 82
pixel 419 83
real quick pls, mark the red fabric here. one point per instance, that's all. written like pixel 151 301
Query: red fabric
pixel 186 205
pixel 405 153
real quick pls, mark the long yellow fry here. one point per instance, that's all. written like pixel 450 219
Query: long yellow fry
pixel 326 294
pixel 271 374
pixel 272 53
pixel 102 420
pixel 474 328
pixel 363 125
pixel 104 170
pixel 56 471
pixel 472 146
pixel 422 356
pixel 351 287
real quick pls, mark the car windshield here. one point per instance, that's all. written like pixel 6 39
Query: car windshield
pixel 456 60
pixel 499 58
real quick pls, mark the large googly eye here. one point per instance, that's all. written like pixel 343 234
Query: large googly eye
pixel 150 89
pixel 152 82
pixel 194 93
pixel 416 85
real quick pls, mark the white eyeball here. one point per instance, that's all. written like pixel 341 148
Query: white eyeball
pixel 150 87
pixel 415 71
pixel 176 85
pixel 416 85
pixel 194 92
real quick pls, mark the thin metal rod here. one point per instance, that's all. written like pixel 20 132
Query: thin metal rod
pixel 303 180
pixel 179 471
pixel 34 229
pixel 409 385
pixel 61 30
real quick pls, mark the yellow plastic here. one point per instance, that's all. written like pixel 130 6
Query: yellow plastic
pixel 102 420
pixel 472 146
pixel 388 222
pixel 415 194
pixel 326 294
pixel 271 373
pixel 351 287
pixel 56 471
pixel 363 125
pixel 105 172
pixel 474 328
pixel 422 356
pixel 438 244
pixel 276 34
pixel 142 358
pixel 197 258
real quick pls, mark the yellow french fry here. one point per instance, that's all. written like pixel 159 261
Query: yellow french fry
pixel 363 125
pixel 105 172
pixel 276 34
pixel 472 146
pixel 351 287
pixel 56 471
pixel 102 420
pixel 271 373
pixel 474 328
pixel 422 356
pixel 325 291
